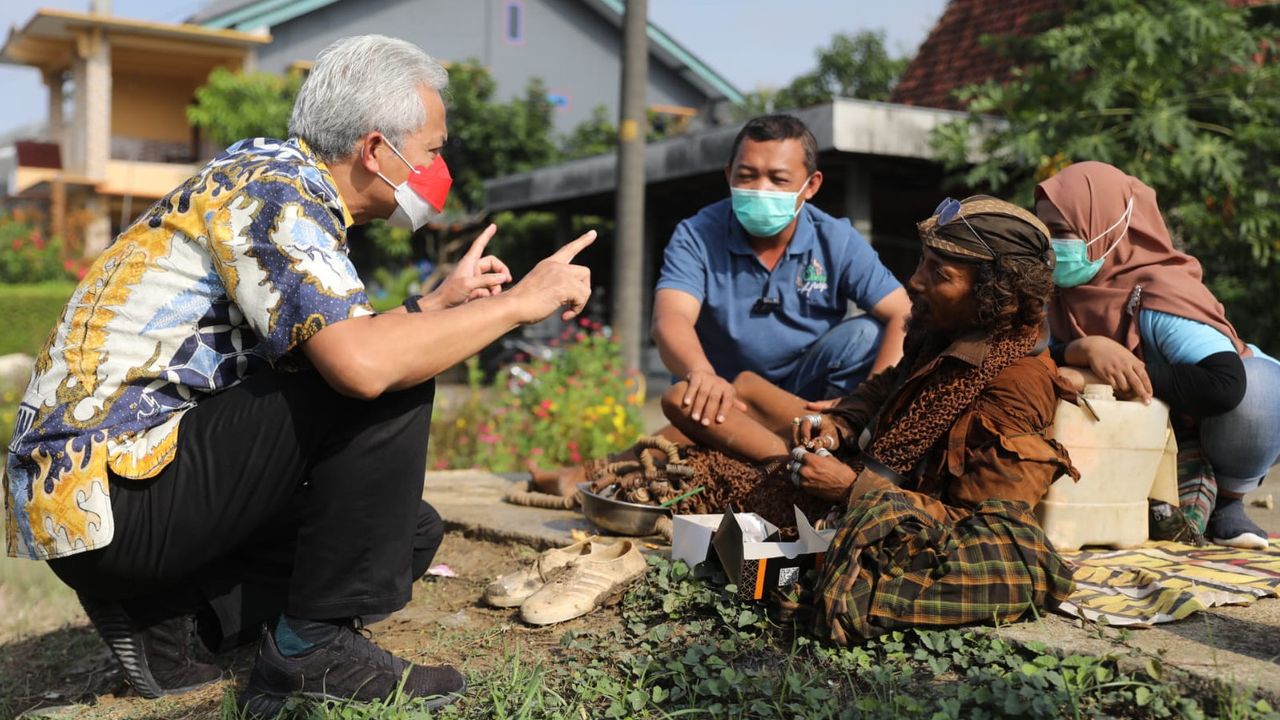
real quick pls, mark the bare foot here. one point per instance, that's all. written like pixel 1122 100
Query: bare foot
pixel 561 481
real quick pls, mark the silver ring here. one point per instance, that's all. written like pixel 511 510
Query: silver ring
pixel 797 453
pixel 795 421
pixel 795 479
pixel 815 420
pixel 822 452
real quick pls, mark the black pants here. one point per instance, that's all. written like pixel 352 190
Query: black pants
pixel 283 496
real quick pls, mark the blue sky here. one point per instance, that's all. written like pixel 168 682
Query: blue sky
pixel 754 43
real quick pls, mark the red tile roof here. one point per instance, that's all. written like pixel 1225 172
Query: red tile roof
pixel 952 56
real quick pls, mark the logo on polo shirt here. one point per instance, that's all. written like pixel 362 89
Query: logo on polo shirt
pixel 812 278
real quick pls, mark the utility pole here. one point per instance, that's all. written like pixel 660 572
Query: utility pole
pixel 628 250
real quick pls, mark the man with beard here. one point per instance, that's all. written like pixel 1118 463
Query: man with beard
pixel 936 463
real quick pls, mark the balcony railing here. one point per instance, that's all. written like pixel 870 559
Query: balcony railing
pixel 161 151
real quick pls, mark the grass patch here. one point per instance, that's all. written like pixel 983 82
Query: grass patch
pixel 678 648
pixel 30 312
pixel 32 599
pixel 689 650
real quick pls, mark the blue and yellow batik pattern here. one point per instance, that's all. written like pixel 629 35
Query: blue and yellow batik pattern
pixel 223 277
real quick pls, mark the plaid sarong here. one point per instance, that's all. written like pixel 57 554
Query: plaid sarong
pixel 1197 494
pixel 1197 486
pixel 893 566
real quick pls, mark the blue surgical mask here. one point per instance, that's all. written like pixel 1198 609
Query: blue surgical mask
pixel 1073 265
pixel 764 213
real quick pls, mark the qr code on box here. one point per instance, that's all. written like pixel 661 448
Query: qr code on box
pixel 788 576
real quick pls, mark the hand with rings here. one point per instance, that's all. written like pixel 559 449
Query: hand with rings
pixel 797 461
pixel 804 432
pixel 819 473
pixel 822 443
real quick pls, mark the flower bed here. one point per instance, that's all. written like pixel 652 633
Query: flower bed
pixel 580 404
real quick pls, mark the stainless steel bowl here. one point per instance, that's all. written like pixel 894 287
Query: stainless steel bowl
pixel 621 517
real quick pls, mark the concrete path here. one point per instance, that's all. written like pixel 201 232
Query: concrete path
pixel 1236 645
pixel 471 501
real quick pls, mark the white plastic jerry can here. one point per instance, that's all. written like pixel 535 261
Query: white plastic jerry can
pixel 1118 446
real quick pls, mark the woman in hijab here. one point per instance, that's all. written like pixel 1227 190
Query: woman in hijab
pixel 1133 312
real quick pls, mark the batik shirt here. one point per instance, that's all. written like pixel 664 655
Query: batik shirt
pixel 222 278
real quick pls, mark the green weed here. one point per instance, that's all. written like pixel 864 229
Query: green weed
pixel 689 649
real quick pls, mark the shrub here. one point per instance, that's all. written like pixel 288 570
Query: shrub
pixel 27 253
pixel 390 287
pixel 578 405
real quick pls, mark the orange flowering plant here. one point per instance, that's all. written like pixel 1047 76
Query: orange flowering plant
pixel 578 405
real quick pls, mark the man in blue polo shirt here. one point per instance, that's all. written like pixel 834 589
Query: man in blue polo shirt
pixel 762 281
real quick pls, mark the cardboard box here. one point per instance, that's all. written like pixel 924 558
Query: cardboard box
pixel 691 542
pixel 755 559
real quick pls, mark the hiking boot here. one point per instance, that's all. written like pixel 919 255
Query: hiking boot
pixel 348 667
pixel 156 659
pixel 585 584
pixel 512 589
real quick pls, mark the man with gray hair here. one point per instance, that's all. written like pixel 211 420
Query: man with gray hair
pixel 221 432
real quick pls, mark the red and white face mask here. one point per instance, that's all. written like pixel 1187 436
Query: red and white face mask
pixel 420 198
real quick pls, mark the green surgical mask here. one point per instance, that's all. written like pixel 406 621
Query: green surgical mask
pixel 764 213
pixel 1073 265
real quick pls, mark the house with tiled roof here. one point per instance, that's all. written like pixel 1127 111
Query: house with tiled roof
pixel 116 136
pixel 880 169
pixel 954 54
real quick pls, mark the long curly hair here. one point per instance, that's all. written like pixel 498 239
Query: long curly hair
pixel 1010 297
pixel 1012 293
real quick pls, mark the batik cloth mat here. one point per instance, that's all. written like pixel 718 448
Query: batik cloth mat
pixel 1161 582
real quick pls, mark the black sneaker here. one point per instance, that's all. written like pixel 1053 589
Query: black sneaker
pixel 1229 525
pixel 348 667
pixel 156 659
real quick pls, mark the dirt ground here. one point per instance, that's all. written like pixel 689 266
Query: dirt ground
pixel 445 623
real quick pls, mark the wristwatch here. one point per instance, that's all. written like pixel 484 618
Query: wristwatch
pixel 411 303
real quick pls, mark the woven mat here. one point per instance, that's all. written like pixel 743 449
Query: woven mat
pixel 1164 581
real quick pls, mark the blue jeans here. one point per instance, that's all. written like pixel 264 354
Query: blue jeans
pixel 836 363
pixel 1242 444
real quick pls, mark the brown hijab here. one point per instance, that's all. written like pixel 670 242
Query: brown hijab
pixel 1093 195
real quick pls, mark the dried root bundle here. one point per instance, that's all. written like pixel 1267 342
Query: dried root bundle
pixel 697 480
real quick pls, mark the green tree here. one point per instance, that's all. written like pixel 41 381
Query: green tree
pixel 598 135
pixel 594 136
pixel 852 66
pixel 756 103
pixel 1180 93
pixel 236 105
pixel 489 139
